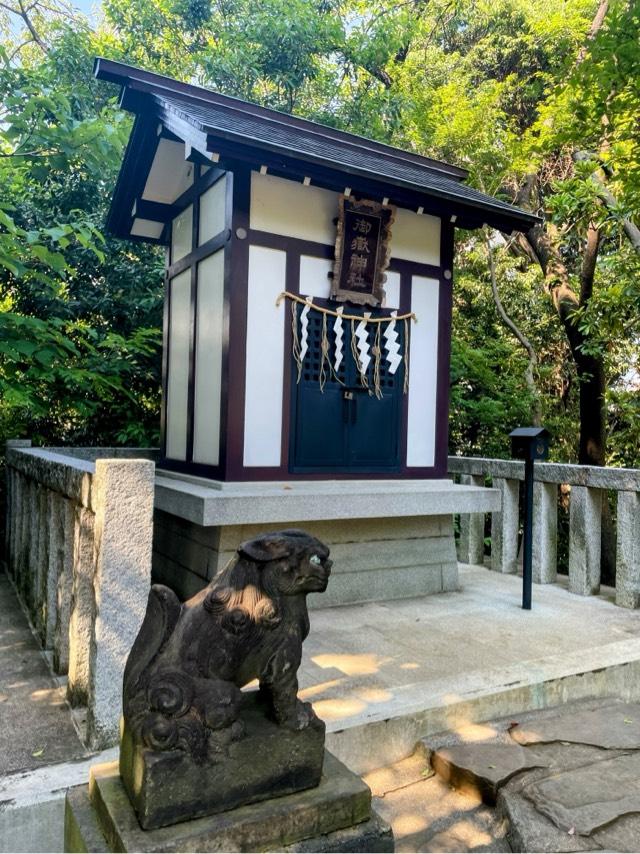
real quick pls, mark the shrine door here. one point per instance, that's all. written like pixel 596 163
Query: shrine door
pixel 345 427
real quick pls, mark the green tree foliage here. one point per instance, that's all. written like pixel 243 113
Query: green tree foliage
pixel 79 338
pixel 539 100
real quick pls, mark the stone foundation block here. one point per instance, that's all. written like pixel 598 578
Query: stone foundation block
pixel 262 764
pixel 373 559
pixel 334 816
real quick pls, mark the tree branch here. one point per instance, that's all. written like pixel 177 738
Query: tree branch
pixel 589 260
pixel 522 338
pixel 596 26
pixel 606 196
pixel 36 37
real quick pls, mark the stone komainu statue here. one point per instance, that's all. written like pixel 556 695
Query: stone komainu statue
pixel 184 673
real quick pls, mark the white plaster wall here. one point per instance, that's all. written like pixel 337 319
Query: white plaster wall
pixel 178 367
pixel 170 174
pixel 416 237
pixel 146 228
pixel 290 208
pixel 314 276
pixel 212 211
pixel 208 376
pixel 423 355
pixel 182 234
pixel 392 290
pixel 315 281
pixel 265 358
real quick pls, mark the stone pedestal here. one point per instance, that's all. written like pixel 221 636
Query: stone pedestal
pixel 262 764
pixel 336 815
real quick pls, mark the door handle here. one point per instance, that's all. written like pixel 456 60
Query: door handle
pixel 354 408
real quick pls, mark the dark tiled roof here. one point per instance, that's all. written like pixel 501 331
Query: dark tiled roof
pixel 218 120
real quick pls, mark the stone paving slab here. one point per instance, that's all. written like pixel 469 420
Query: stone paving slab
pixel 615 726
pixel 427 815
pixel 483 768
pixel 35 724
pixel 570 782
pixel 531 830
pixel 588 798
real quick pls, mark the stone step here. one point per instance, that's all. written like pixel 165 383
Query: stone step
pixel 564 779
pixel 483 768
pixel 428 815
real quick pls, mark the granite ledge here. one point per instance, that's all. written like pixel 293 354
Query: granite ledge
pixel 214 503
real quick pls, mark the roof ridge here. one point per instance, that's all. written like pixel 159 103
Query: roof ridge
pixel 354 142
pixel 117 72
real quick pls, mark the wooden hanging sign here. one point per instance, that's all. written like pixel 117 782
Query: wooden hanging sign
pixel 363 246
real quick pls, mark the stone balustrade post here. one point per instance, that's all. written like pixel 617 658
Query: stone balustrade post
pixel 471 542
pixel 504 527
pixel 628 550
pixel 22 533
pixel 41 549
pixel 585 522
pixel 60 579
pixel 123 499
pixel 545 533
pixel 13 499
pixel 30 575
pixel 82 607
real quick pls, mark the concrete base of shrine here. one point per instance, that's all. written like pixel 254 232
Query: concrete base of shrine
pixel 389 539
pixel 334 816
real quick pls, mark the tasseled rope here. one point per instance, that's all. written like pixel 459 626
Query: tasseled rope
pixel 296 349
pixel 306 300
pixel 406 356
pixel 324 354
pixel 377 352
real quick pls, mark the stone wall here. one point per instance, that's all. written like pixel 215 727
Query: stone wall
pixel 374 559
pixel 78 547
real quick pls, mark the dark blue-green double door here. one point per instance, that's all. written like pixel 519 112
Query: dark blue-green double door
pixel 344 427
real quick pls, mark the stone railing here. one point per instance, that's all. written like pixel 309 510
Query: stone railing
pixel 587 485
pixel 78 549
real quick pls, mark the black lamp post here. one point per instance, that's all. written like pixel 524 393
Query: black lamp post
pixel 528 444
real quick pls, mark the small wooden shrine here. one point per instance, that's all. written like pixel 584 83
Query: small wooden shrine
pixel 308 286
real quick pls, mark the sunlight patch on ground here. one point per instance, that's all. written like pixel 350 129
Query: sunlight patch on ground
pixel 351 665
pixel 408 823
pixel 476 732
pixel 469 833
pixel 374 695
pixel 314 690
pixel 333 710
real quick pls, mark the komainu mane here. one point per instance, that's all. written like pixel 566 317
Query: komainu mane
pixel 186 668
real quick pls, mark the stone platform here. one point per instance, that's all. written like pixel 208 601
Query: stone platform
pixel 389 539
pixel 384 675
pixel 335 816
